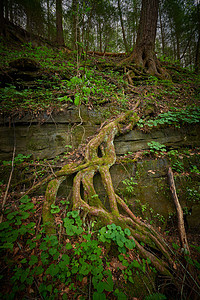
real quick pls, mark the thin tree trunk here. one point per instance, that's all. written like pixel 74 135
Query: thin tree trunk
pixel 197 56
pixel 162 32
pixel 48 20
pixel 88 28
pixel 122 26
pixel 100 35
pixel 2 23
pixel 75 24
pixel 188 44
pixel 28 21
pixel 11 10
pixel 59 27
pixel 6 4
pixel 177 47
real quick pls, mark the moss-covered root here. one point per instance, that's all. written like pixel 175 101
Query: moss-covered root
pixel 108 185
pixel 84 196
pixel 50 198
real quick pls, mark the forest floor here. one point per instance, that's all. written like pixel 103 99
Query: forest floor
pixel 51 80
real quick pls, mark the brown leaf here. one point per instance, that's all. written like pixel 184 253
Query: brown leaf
pixel 84 281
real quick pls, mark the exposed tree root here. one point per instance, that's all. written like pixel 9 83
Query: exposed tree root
pixel 99 157
pixel 143 65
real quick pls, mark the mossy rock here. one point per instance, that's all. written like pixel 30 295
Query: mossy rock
pixel 25 64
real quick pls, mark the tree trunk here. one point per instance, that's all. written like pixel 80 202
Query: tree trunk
pixel 177 47
pixel 6 3
pixel 28 21
pixel 144 53
pixel 122 26
pixel 2 22
pixel 197 57
pixel 11 10
pixel 59 28
pixel 75 24
pixel 100 35
pixel 88 28
pixel 162 32
pixel 48 20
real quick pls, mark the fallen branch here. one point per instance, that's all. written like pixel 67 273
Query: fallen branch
pixel 181 226
pixel 106 53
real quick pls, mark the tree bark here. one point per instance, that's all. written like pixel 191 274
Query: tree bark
pixel 144 53
pixel 145 44
pixel 59 27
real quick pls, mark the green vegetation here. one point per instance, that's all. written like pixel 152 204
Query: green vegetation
pixel 177 117
pixel 85 259
pixel 156 147
pixel 56 264
pixel 129 183
pixel 58 84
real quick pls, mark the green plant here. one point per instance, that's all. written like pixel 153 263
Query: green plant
pixel 20 158
pixel 172 153
pixel 13 227
pixel 156 296
pixel 55 209
pixel 152 215
pixel 153 80
pixel 73 223
pixel 194 169
pixel 156 147
pixel 82 88
pixel 193 195
pixel 178 166
pixel 116 234
pixel 191 114
pixel 129 183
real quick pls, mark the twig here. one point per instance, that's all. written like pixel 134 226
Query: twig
pixel 52 171
pixel 8 185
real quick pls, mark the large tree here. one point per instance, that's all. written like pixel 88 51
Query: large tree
pixel 144 53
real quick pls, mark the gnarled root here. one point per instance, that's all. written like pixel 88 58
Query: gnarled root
pixel 99 157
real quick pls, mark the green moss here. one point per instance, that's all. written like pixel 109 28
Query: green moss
pixel 50 197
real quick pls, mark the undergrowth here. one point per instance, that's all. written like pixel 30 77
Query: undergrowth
pixel 74 262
